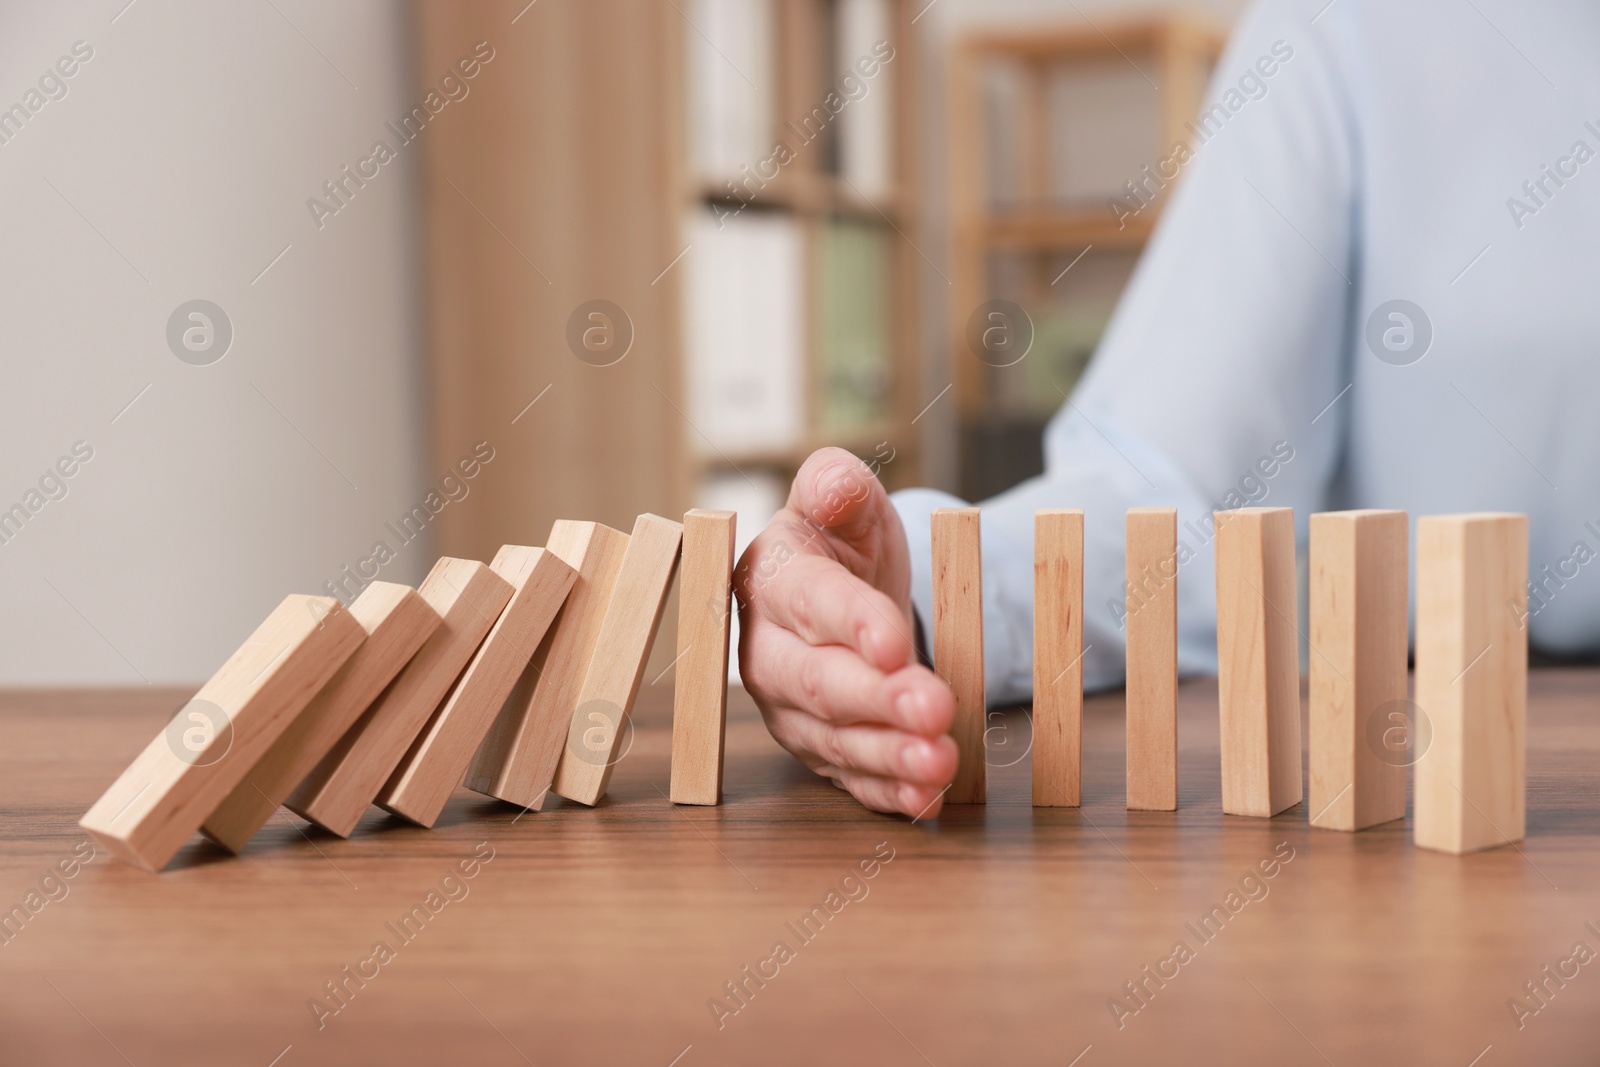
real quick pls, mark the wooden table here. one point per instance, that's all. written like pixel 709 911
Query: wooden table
pixel 993 935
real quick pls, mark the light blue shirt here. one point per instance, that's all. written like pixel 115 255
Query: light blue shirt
pixel 1446 155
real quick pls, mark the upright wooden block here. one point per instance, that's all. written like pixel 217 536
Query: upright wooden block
pixel 958 642
pixel 1258 661
pixel 1358 593
pixel 1472 680
pixel 700 688
pixel 1151 631
pixel 594 736
pixel 518 758
pixel 430 771
pixel 468 598
pixel 396 620
pixel 213 741
pixel 1057 657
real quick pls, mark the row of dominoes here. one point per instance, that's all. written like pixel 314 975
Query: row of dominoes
pixel 1465 731
pixel 514 678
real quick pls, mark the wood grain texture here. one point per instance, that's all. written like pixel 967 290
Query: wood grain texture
pixel 1258 661
pixel 1472 671
pixel 958 641
pixel 1057 657
pixel 440 755
pixel 1070 902
pixel 467 596
pixel 397 620
pixel 190 767
pixel 599 722
pixel 1151 604
pixel 518 758
pixel 700 687
pixel 1359 635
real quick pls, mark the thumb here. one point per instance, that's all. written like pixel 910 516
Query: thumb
pixel 836 491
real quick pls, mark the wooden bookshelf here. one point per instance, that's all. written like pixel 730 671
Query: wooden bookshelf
pixel 1035 227
pixel 814 193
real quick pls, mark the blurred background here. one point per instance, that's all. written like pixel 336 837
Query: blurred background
pixel 300 295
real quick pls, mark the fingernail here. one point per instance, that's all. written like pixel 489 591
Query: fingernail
pixel 916 759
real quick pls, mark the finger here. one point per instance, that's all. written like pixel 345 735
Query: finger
pixel 827 605
pixel 882 794
pixel 837 686
pixel 837 491
pixel 880 751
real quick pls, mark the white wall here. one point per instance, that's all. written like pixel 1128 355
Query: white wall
pixel 187 147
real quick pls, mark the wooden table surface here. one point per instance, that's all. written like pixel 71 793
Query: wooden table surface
pixel 990 935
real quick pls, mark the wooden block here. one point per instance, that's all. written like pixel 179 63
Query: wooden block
pixel 958 642
pixel 1258 661
pixel 1057 657
pixel 594 736
pixel 700 688
pixel 1472 680
pixel 518 757
pixel 397 620
pixel 1152 658
pixel 213 741
pixel 1359 590
pixel 438 758
pixel 468 597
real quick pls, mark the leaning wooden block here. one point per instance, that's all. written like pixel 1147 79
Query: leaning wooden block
pixel 396 620
pixel 958 642
pixel 700 688
pixel 1151 622
pixel 1057 657
pixel 468 597
pixel 1258 661
pixel 439 757
pixel 214 740
pixel 518 757
pixel 1359 715
pixel 594 736
pixel 1472 680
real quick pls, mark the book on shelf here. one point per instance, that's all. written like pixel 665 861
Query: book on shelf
pixel 852 327
pixel 866 123
pixel 745 333
pixel 732 76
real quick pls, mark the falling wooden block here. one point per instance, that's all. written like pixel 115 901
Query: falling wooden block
pixel 213 741
pixel 468 597
pixel 1358 594
pixel 1151 622
pixel 1472 680
pixel 397 620
pixel 518 757
pixel 700 688
pixel 958 642
pixel 1258 661
pixel 430 771
pixel 1057 657
pixel 594 736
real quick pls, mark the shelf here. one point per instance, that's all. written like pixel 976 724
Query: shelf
pixel 806 194
pixel 1065 229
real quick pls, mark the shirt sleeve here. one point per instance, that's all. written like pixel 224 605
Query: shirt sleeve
pixel 1218 381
